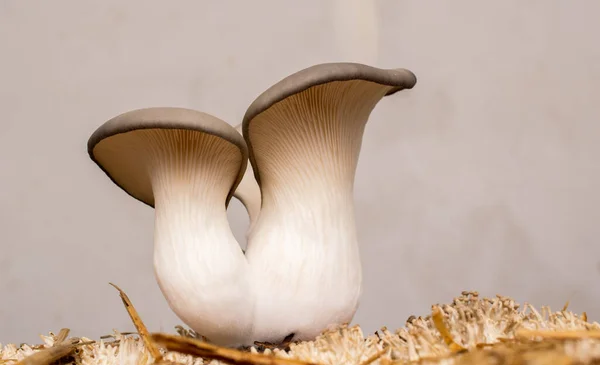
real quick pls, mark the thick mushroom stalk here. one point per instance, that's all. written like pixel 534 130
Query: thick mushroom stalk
pixel 304 136
pixel 186 164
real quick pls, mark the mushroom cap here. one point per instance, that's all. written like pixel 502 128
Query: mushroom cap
pixel 320 74
pixel 165 119
pixel 324 73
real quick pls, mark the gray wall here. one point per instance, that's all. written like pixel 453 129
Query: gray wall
pixel 484 176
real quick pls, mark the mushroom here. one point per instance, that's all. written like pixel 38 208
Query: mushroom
pixel 248 191
pixel 304 136
pixel 186 164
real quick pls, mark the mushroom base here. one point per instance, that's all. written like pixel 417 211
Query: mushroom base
pixel 306 261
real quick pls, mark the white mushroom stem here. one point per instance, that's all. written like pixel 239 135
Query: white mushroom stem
pixel 248 191
pixel 199 265
pixel 303 247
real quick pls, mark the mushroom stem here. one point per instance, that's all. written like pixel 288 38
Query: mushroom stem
pixel 198 263
pixel 248 192
pixel 303 246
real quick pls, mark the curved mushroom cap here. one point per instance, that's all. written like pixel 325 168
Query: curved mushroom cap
pixel 113 150
pixel 397 80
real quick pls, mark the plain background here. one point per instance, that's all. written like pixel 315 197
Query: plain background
pixel 483 177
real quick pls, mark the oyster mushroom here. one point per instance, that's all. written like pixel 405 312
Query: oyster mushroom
pixel 248 191
pixel 186 164
pixel 304 136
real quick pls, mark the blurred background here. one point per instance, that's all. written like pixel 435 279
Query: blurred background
pixel 483 177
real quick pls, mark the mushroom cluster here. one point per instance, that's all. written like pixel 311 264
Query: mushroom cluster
pixel 301 272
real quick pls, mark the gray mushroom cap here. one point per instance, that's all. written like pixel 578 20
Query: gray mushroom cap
pixel 165 119
pixel 399 79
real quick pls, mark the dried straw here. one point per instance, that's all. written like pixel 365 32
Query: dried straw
pixel 470 330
